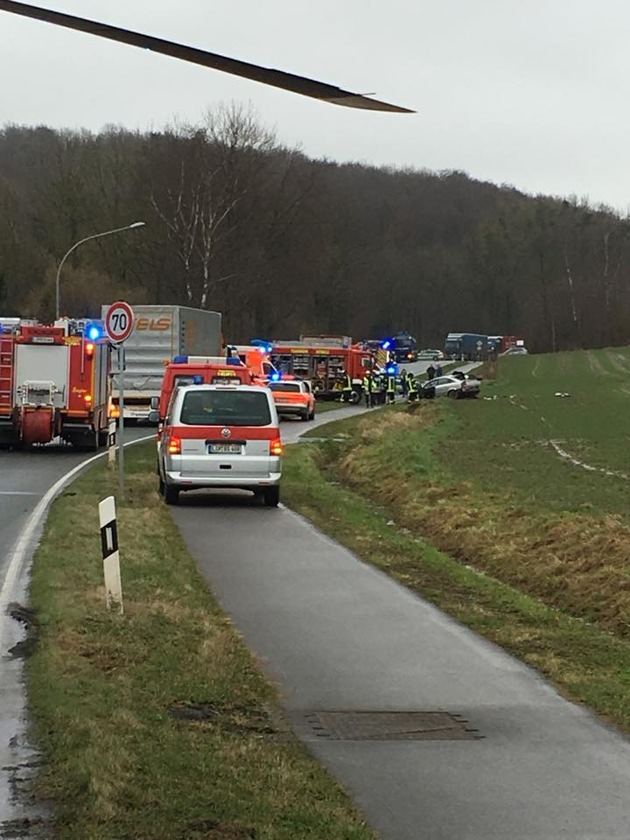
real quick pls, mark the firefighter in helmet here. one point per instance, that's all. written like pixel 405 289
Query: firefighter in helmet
pixel 391 387
pixel 412 388
pixel 346 386
pixel 368 389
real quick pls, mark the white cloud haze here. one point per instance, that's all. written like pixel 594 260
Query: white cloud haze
pixel 529 94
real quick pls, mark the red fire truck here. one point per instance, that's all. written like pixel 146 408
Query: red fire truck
pixel 320 361
pixel 54 382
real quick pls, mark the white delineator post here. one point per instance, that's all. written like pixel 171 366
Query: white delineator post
pixel 111 442
pixel 111 557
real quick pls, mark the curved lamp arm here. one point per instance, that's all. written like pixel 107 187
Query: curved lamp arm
pixel 76 245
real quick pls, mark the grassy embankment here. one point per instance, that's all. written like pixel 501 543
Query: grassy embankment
pixel 469 504
pixel 157 724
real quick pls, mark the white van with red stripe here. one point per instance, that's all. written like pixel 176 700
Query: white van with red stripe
pixel 225 436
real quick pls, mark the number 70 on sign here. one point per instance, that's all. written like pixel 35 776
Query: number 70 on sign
pixel 119 321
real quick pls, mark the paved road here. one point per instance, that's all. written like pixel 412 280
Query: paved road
pixel 25 480
pixel 336 634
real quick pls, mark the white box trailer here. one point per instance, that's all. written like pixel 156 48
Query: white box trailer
pixel 160 333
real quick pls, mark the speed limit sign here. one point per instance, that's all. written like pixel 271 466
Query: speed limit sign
pixel 119 322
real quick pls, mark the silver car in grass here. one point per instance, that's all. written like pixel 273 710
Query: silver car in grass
pixel 224 436
pixel 452 386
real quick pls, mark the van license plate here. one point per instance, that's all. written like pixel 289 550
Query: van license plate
pixel 224 448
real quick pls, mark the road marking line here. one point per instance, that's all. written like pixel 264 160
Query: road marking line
pixel 17 493
pixel 34 522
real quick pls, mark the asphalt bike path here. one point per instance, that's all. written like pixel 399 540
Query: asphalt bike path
pixel 487 750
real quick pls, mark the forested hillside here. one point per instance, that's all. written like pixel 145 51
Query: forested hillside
pixel 284 245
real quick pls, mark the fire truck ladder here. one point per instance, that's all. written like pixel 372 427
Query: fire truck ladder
pixel 6 374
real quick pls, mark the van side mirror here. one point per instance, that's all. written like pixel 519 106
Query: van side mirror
pixel 154 417
pixel 155 402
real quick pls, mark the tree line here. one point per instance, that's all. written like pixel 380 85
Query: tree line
pixel 285 245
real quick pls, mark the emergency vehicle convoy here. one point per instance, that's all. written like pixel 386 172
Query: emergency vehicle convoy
pixel 57 381
pixel 54 383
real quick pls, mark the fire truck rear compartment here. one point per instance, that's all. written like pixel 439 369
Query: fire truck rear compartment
pixel 53 384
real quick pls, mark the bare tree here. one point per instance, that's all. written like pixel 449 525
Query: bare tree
pixel 219 166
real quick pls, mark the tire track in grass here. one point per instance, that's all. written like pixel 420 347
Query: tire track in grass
pixel 577 463
pixel 619 362
pixel 595 365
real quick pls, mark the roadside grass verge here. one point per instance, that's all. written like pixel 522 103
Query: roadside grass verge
pixel 535 567
pixel 322 406
pixel 157 724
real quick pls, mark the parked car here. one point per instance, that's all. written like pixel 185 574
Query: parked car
pixel 516 350
pixel 434 355
pixel 225 436
pixel 293 398
pixel 452 386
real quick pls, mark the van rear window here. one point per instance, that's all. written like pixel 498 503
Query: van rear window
pixel 225 408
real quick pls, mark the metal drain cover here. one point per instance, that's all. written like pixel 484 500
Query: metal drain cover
pixel 387 726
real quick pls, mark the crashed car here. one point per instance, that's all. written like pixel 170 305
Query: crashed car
pixel 452 386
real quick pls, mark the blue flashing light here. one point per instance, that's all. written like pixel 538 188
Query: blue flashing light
pixel 233 360
pixel 180 360
pixel 275 376
pixel 197 379
pixel 262 344
pixel 391 371
pixel 93 332
pixel 386 344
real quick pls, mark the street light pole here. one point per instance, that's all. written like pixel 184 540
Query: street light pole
pixel 76 245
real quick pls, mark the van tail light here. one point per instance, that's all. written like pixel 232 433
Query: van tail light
pixel 174 446
pixel 275 447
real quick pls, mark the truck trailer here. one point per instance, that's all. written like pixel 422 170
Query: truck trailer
pixel 470 347
pixel 160 333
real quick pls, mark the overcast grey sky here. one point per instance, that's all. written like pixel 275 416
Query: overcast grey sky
pixel 531 94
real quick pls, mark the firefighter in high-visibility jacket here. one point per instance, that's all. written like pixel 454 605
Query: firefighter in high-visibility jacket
pixel 368 389
pixel 412 388
pixel 346 387
pixel 378 388
pixel 391 388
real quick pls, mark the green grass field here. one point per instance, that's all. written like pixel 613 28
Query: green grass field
pixel 507 443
